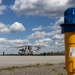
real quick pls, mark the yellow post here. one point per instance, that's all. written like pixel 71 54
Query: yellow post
pixel 69 38
pixel 68 28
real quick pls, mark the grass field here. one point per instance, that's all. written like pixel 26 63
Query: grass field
pixel 37 69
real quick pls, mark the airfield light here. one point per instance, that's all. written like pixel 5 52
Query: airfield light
pixel 69 16
pixel 68 28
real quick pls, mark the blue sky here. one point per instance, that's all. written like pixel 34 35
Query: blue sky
pixel 34 22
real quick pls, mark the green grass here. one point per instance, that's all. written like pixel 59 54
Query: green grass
pixel 61 63
pixel 53 70
pixel 10 68
pixel 27 66
pixel 48 64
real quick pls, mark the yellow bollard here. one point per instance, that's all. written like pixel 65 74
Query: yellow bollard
pixel 68 28
pixel 69 38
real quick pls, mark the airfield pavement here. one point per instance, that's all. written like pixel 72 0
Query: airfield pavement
pixel 57 67
pixel 6 61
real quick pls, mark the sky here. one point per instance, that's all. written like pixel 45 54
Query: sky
pixel 32 22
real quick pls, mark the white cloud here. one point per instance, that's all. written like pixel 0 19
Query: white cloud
pixel 11 43
pixel 9 46
pixel 54 29
pixel 53 40
pixel 60 21
pixel 38 28
pixel 59 43
pixel 15 27
pixel 2 40
pixel 3 28
pixel 17 42
pixel 43 34
pixel 43 42
pixel 57 24
pixel 58 37
pixel 37 34
pixel 51 8
pixel 2 8
pixel 54 34
pixel 58 40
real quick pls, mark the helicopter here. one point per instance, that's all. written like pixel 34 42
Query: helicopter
pixel 27 49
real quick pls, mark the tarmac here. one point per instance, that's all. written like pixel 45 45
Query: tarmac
pixel 6 61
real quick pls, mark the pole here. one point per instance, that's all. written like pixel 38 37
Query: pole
pixel 68 28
